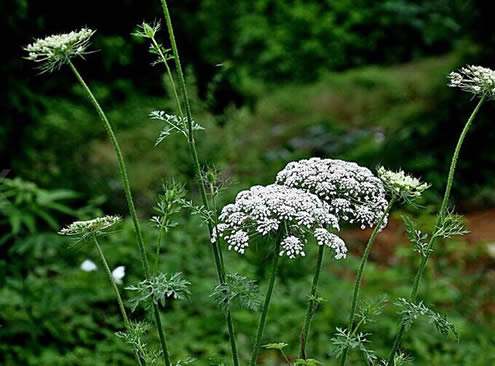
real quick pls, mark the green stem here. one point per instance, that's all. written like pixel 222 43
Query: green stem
pixel 114 285
pixel 217 253
pixel 441 215
pixel 362 265
pixel 117 294
pixel 266 305
pixel 170 75
pixel 311 303
pixel 128 193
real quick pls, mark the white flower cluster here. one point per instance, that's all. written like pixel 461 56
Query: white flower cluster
pixel 476 80
pixel 262 210
pixel 96 227
pixel 401 185
pixel 352 192
pixel 54 51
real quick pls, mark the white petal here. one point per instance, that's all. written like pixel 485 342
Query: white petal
pixel 118 274
pixel 88 266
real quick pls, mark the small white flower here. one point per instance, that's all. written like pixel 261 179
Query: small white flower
pixel 292 247
pixel 85 229
pixel 118 274
pixel 473 79
pixel 401 185
pixel 264 210
pixel 353 193
pixel 88 266
pixel 54 51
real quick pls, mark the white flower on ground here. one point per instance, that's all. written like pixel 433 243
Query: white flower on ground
pixel 354 194
pixel 264 210
pixel 118 274
pixel 95 227
pixel 88 266
pixel 473 79
pixel 401 185
pixel 56 50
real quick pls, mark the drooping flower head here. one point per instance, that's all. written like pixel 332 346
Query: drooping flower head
pixel 352 192
pixel 56 50
pixel 400 185
pixel 85 229
pixel 476 80
pixel 294 213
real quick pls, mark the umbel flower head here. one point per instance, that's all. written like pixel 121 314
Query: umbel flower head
pixel 56 50
pixel 400 185
pixel 476 80
pixel 85 229
pixel 352 192
pixel 264 210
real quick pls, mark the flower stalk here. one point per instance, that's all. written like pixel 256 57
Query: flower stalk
pixel 441 214
pixel 312 303
pixel 130 201
pixel 217 254
pixel 359 276
pixel 266 305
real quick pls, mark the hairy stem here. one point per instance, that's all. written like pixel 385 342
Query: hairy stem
pixel 128 194
pixel 359 276
pixel 217 253
pixel 266 305
pixel 311 303
pixel 440 216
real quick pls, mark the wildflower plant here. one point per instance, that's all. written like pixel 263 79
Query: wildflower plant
pixel 478 81
pixel 353 194
pixel 402 186
pixel 240 289
pixel 55 51
pixel 185 121
pixel 291 214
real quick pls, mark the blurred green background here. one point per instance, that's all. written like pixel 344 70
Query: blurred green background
pixel 272 81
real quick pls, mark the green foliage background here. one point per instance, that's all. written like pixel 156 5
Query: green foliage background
pixel 272 81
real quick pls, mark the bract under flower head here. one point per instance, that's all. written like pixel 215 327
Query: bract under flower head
pixel 476 80
pixel 352 192
pixel 85 229
pixel 400 185
pixel 264 210
pixel 56 50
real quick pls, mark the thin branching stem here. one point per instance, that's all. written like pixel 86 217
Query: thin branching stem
pixel 312 303
pixel 359 276
pixel 441 215
pixel 266 305
pixel 128 193
pixel 217 253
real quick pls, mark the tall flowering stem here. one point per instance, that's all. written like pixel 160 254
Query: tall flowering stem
pixel 217 254
pixel 359 276
pixel 440 216
pixel 266 305
pixel 312 303
pixel 130 201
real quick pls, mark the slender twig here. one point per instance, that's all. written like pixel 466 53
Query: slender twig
pixel 312 303
pixel 217 253
pixel 441 215
pixel 130 201
pixel 362 265
pixel 266 305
